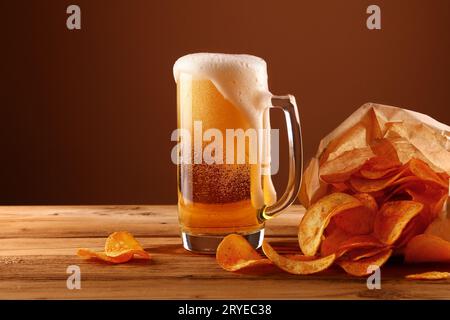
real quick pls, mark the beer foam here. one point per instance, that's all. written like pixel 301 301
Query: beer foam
pixel 240 78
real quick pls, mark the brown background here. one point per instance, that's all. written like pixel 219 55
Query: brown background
pixel 86 115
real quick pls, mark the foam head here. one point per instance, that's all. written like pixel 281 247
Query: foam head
pixel 240 78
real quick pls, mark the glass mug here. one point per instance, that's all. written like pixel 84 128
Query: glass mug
pixel 219 198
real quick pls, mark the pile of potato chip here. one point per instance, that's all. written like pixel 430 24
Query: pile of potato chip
pixel 376 207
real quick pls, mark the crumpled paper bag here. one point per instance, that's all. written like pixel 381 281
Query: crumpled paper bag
pixel 411 133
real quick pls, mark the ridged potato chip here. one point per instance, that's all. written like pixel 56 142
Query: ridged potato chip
pixel 423 171
pixel 359 242
pixel 120 247
pixel 386 161
pixel 340 242
pixel 342 167
pixel 363 253
pixel 393 218
pixel 317 218
pixel 415 227
pixel 360 267
pixel 297 265
pixel 358 220
pixel 332 242
pixel 373 185
pixel 235 253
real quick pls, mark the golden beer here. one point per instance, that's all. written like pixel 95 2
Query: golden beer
pixel 213 198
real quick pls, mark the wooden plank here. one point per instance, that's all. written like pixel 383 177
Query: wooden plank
pixel 218 289
pixel 194 276
pixel 99 221
pixel 33 261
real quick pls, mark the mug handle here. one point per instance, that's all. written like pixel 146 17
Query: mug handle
pixel 289 106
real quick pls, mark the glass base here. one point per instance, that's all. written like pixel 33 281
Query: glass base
pixel 208 244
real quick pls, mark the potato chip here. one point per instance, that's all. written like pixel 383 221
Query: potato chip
pixel 339 187
pixel 399 186
pixel 427 248
pixel 356 221
pixel 120 242
pixel 432 275
pixel 440 228
pixel 423 171
pixel 340 242
pixel 363 253
pixel 299 257
pixel 341 168
pixel 332 241
pixel 358 242
pixel 317 218
pixel 235 253
pixel 298 265
pixel 387 156
pixel 393 218
pixel 359 220
pixel 367 200
pixel 445 177
pixel 120 247
pixel 360 267
pixel 377 174
pixel 414 170
pixel 413 228
pixel 432 198
pixel 386 161
pixel 406 181
pixel 373 185
pixel 118 258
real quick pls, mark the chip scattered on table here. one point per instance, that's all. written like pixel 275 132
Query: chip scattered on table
pixel 120 247
pixel 432 275
pixel 234 253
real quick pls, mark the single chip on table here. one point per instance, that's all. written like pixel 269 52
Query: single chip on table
pixel 431 275
pixel 120 247
pixel 235 253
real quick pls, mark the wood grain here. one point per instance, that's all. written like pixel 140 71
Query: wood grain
pixel 37 244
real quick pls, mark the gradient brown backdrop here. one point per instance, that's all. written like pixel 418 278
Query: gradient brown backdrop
pixel 86 115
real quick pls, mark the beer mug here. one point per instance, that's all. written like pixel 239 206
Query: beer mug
pixel 224 184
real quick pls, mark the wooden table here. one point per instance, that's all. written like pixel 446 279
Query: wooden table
pixel 37 244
